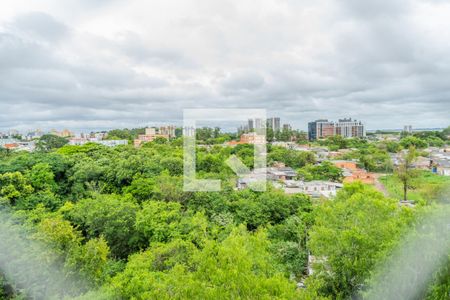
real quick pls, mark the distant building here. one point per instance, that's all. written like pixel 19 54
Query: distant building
pixel 167 130
pixel 36 134
pixel 274 124
pixel 108 143
pixel 352 173
pixel 360 175
pixel 150 131
pixel 315 189
pixel 252 138
pixel 407 129
pixel 251 125
pixel 346 164
pixel 320 129
pixel 4 142
pixel 348 128
pixel 287 127
pixel 254 124
pixel 151 134
pixel 12 144
pixel 65 133
pixel 260 123
pixel 189 131
pixel 442 167
pixel 275 174
pixel 281 173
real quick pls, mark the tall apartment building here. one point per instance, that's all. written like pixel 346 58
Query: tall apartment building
pixel 65 133
pixel 287 127
pixel 255 124
pixel 251 125
pixel 348 128
pixel 320 129
pixel 407 129
pixel 274 124
pixel 260 123
pixel 167 130
pixel 151 133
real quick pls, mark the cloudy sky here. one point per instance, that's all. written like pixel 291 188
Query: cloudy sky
pixel 98 64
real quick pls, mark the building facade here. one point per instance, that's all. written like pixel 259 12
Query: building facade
pixel 274 124
pixel 252 138
pixel 348 128
pixel 167 130
pixel 320 129
pixel 407 128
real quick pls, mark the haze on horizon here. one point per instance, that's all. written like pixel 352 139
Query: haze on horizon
pixel 102 64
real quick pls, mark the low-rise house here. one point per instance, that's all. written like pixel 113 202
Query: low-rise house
pixel 275 174
pixel 422 163
pixel 107 143
pixel 4 142
pixel 19 146
pixel 442 167
pixel 249 180
pixel 145 138
pixel 352 173
pixel 321 154
pixel 152 133
pixel 315 189
pixel 281 173
pixel 346 164
pixel 283 178
pixel 360 175
pixel 29 146
pixel 251 138
pixel 11 146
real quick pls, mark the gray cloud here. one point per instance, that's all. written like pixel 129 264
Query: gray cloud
pixel 107 64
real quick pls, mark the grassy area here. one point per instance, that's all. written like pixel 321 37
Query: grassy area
pixel 427 187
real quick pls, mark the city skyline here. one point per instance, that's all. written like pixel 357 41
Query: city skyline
pixel 98 65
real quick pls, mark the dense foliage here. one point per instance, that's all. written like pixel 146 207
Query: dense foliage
pixel 118 220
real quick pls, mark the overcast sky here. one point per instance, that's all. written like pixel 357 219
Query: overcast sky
pixel 99 64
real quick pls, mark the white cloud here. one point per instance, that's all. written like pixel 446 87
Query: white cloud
pixel 101 64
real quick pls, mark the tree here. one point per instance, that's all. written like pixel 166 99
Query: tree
pixel 14 186
pixel 293 159
pixel 412 141
pixel 239 267
pixel 159 221
pixel 405 172
pixel 90 260
pixel 350 235
pixel 446 132
pixel 289 245
pixel 325 171
pixel 42 177
pixel 110 216
pixel 272 207
pixel 392 147
pixel 141 188
pixel 49 142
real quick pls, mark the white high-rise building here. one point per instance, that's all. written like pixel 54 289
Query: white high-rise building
pixel 350 128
